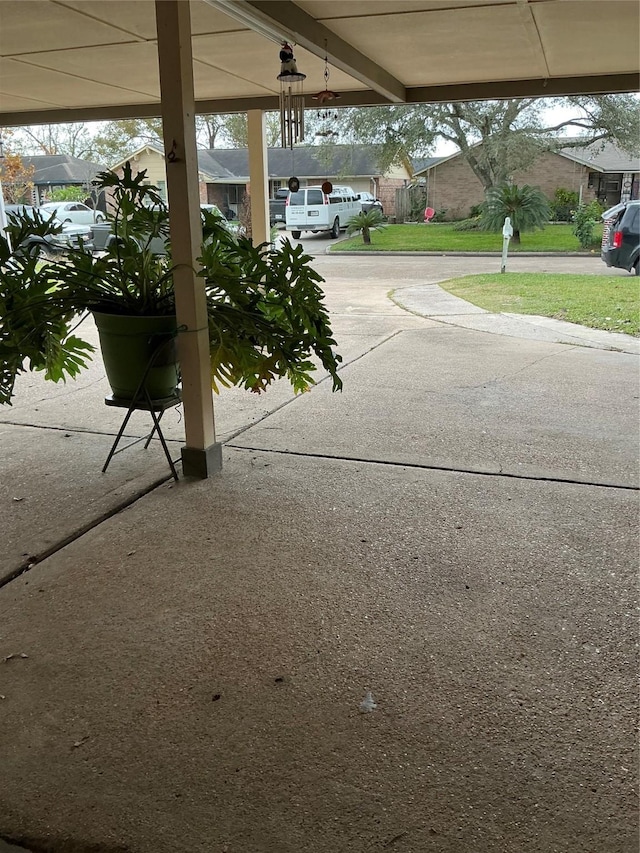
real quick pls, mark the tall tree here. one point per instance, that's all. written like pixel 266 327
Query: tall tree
pixel 496 138
pixel 236 132
pixel 209 128
pixel 109 142
pixel 73 138
pixel 115 139
pixel 16 178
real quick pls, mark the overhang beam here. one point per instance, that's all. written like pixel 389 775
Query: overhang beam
pixel 282 20
pixel 494 90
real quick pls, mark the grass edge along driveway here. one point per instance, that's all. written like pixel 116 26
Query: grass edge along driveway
pixel 607 302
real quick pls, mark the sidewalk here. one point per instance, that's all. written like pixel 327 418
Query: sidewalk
pixel 432 301
pixel 402 618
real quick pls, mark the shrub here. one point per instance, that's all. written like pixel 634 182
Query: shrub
pixel 69 194
pixel 527 207
pixel 563 204
pixel 472 224
pixel 585 218
pixel 365 222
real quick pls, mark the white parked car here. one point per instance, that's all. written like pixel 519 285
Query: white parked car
pixel 370 202
pixel 72 211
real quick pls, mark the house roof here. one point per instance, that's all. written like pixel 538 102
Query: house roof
pixel 231 165
pixel 209 169
pixel 603 157
pixel 211 165
pixel 61 169
pixel 426 163
pixel 82 60
pixel 310 161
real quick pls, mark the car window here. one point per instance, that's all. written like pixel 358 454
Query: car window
pixel 314 197
pixel 297 198
pixel 634 224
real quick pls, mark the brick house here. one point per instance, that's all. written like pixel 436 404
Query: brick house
pixel 224 172
pixel 599 171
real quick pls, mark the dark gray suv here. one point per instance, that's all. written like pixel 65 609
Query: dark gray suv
pixel 621 236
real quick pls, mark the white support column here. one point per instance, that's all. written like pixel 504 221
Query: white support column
pixel 202 455
pixel 3 215
pixel 259 177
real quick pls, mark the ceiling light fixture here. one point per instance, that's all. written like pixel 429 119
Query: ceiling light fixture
pixel 250 17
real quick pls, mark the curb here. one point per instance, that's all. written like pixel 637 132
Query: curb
pixel 328 251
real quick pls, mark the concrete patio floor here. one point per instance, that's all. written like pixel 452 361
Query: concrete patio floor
pixel 402 618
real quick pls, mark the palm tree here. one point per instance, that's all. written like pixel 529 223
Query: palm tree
pixel 527 206
pixel 366 221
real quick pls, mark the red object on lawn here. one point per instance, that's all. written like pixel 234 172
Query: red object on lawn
pixel 429 214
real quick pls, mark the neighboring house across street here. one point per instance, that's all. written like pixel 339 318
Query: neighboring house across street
pixel 224 172
pixel 58 171
pixel 598 171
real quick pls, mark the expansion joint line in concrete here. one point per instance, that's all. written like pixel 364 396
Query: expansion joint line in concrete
pixel 34 559
pixel 78 430
pixel 425 467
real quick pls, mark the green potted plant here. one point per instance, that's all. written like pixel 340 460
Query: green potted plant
pixel 266 313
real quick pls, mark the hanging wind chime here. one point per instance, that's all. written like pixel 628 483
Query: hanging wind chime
pixel 291 98
pixel 325 113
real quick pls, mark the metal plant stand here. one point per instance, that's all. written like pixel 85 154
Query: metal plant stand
pixel 141 401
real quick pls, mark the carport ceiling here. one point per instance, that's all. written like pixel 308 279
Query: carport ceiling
pixel 73 59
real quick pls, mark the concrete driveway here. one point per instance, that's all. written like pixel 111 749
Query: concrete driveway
pixel 402 618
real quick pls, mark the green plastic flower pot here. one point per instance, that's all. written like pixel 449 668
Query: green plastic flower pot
pixel 132 346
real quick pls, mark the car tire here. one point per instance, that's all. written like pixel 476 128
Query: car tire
pixel 296 234
pixel 335 229
pixel 635 269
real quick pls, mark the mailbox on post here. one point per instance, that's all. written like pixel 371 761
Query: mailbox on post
pixel 507 234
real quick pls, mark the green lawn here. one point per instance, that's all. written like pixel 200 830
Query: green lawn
pixel 598 301
pixel 441 237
